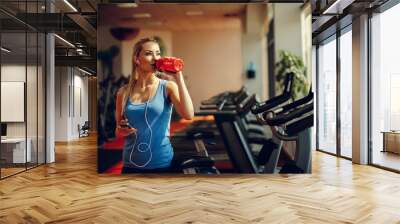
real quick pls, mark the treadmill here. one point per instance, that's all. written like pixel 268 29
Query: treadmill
pixel 293 122
pixel 214 143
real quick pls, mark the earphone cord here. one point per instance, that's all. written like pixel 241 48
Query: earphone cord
pixel 146 145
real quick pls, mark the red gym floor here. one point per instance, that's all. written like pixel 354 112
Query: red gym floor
pixel 118 143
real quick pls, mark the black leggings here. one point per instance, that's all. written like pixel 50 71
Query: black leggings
pixel 173 168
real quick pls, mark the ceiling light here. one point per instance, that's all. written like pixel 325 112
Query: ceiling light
pixel 141 15
pixel 70 5
pixel 78 44
pixel 127 5
pixel 194 13
pixel 155 23
pixel 337 7
pixel 5 50
pixel 84 71
pixel 64 40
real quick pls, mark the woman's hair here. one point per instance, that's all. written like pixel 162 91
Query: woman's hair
pixel 128 89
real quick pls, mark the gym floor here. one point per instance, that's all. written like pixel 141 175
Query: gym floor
pixel 71 191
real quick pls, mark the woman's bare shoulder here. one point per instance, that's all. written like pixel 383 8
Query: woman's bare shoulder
pixel 171 85
pixel 122 89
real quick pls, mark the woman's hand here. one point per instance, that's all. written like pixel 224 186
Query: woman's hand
pixel 179 95
pixel 170 76
pixel 124 129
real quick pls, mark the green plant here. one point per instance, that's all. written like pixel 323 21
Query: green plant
pixel 290 62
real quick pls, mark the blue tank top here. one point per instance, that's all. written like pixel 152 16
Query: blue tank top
pixel 150 147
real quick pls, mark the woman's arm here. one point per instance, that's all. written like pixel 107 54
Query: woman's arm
pixel 118 106
pixel 179 96
pixel 119 121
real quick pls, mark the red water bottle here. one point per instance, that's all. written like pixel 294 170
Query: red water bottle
pixel 169 64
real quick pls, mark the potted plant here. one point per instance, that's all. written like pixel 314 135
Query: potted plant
pixel 290 62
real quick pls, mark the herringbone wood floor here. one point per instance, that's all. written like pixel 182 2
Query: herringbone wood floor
pixel 70 191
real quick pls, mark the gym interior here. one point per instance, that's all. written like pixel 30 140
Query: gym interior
pixel 296 118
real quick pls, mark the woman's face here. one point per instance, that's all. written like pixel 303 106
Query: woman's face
pixel 147 57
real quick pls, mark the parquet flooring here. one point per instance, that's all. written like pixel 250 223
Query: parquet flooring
pixel 70 191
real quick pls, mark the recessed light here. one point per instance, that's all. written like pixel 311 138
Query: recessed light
pixel 84 71
pixel 141 15
pixel 194 13
pixel 127 5
pixel 337 7
pixel 5 50
pixel 70 5
pixel 65 41
pixel 155 23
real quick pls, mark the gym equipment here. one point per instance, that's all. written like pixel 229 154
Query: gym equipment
pixel 293 122
pixel 239 103
pixel 83 130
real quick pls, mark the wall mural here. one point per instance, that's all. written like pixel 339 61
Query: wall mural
pixel 149 137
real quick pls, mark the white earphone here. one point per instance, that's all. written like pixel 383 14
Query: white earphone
pixel 145 145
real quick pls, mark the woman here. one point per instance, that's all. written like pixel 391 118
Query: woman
pixel 143 112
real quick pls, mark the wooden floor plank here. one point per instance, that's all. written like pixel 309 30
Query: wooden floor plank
pixel 70 191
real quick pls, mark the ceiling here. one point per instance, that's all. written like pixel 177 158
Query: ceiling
pixel 173 16
pixel 80 27
pixel 325 22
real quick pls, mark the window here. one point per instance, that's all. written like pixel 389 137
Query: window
pixel 22 74
pixel 385 89
pixel 346 93
pixel 327 96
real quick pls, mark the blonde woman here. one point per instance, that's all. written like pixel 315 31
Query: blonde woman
pixel 143 112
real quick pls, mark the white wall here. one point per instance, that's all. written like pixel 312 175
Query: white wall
pixel 306 37
pixel 69 85
pixel 79 117
pixel 288 28
pixel 213 61
pixel 33 127
pixel 15 72
pixel 293 31
pixel 61 103
pixel 254 48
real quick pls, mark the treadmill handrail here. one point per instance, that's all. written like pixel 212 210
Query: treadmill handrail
pixel 215 112
pixel 270 104
pixel 277 100
pixel 300 125
pixel 222 104
pixel 283 118
pixel 248 104
pixel 299 102
pixel 231 96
